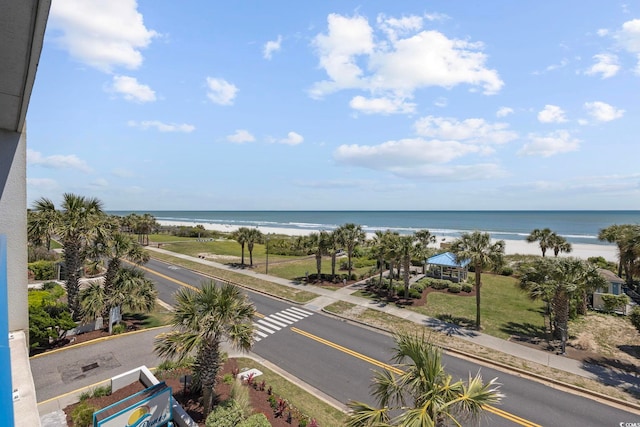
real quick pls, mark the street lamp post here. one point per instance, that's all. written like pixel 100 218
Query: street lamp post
pixel 266 270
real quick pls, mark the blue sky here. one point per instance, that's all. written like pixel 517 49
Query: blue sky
pixel 256 105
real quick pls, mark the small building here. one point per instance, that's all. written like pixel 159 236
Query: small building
pixel 614 287
pixel 445 266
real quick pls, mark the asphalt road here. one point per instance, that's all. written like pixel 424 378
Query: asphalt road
pixel 337 357
pixel 332 355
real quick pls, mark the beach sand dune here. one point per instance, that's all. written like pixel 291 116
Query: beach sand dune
pixel 512 247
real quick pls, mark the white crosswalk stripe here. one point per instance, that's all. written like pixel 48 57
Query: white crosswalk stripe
pixel 272 323
pixel 301 311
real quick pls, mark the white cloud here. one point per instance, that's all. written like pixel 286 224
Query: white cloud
pixel 42 183
pixel 403 153
pixel 441 102
pixel 400 58
pixel 57 161
pixel 132 90
pixel 418 158
pixel 162 127
pixel 602 112
pixel 381 105
pixel 241 136
pixel 549 145
pixel 552 114
pixel 221 91
pixel 606 65
pixel 101 33
pixel 272 46
pixel 291 139
pixel 504 111
pixel 629 38
pixel 471 130
pixel 602 32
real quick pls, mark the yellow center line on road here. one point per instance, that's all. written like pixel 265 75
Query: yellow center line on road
pixel 171 279
pixel 489 408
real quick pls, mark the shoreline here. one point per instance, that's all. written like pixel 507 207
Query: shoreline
pixel 512 247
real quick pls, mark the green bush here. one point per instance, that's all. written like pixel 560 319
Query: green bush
pixel 256 420
pixel 635 317
pixel 101 391
pixel 455 288
pixel 506 271
pixel 414 293
pixel 418 286
pixel 467 287
pixel 227 414
pixel 43 270
pixel 82 415
pixel 439 283
pixel 611 302
pixel 118 329
pixel 45 321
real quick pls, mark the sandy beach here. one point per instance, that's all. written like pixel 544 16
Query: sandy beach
pixel 512 247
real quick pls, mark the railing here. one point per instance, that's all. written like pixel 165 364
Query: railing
pixel 6 389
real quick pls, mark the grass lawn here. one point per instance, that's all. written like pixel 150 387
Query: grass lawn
pixel 293 294
pixel 325 414
pixel 505 309
pixel 298 268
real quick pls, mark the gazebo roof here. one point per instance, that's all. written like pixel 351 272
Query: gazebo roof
pixel 447 259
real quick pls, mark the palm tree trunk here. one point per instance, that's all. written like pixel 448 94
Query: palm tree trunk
pixel 242 260
pixel 405 272
pixel 478 274
pixel 319 264
pixel 208 364
pixel 72 263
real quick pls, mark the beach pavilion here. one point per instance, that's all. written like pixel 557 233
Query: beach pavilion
pixel 445 266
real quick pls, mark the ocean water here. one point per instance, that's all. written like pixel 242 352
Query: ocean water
pixel 575 226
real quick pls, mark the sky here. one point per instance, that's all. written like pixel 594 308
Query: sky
pixel 338 105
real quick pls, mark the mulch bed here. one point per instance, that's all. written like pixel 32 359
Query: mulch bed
pixel 190 402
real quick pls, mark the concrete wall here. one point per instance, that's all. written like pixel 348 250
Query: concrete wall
pixel 13 223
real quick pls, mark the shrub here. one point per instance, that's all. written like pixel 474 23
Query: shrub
pixel 256 420
pixel 227 379
pixel 611 302
pixel 82 415
pixel 418 286
pixel 439 284
pixel 240 396
pixel 43 270
pixel 101 391
pixel 414 293
pixel 227 414
pixel 506 271
pixel 455 288
pixel 467 287
pixel 118 329
pixel 45 321
pixel 635 317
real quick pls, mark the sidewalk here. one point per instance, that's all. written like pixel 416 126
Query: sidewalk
pixel 544 358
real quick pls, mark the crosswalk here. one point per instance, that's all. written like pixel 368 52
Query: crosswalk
pixel 272 323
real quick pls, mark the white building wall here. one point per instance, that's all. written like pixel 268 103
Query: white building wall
pixel 13 223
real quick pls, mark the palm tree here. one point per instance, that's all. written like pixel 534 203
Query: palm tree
pixel 130 290
pixel 556 281
pixel 41 223
pixel 351 235
pixel 253 236
pixel 202 320
pixel 627 238
pixel 559 244
pixel 333 242
pixel 477 248
pixel 380 249
pixel 77 224
pixel 240 236
pixel 318 244
pixel 543 238
pixel 118 246
pixel 423 251
pixel 417 391
pixel 406 250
